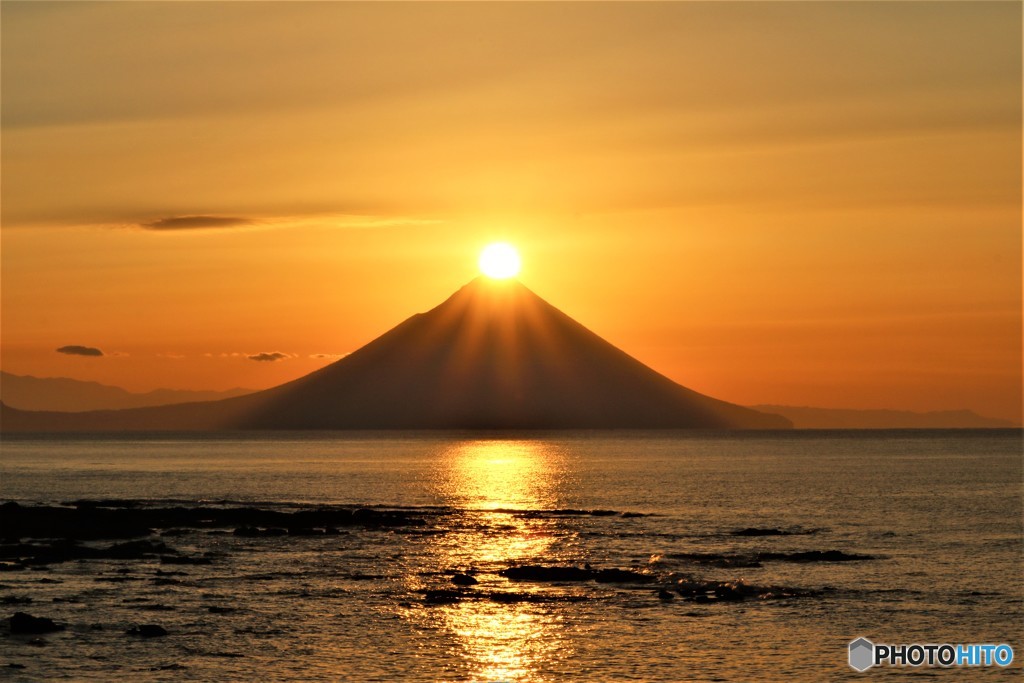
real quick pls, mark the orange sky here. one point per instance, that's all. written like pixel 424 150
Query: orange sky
pixel 797 203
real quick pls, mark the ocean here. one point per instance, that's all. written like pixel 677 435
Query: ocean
pixel 600 556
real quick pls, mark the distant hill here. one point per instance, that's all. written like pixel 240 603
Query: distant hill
pixel 72 395
pixel 838 418
pixel 492 356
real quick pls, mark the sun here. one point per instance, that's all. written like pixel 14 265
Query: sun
pixel 499 261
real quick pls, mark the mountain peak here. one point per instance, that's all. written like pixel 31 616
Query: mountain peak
pixel 492 355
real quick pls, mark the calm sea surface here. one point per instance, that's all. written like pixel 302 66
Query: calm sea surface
pixel 940 514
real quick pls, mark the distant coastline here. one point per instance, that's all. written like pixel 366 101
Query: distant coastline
pixel 804 417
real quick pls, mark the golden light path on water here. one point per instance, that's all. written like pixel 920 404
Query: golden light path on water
pixel 514 641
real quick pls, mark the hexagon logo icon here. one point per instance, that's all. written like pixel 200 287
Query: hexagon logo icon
pixel 862 654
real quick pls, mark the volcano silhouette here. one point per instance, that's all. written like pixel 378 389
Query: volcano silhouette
pixel 492 356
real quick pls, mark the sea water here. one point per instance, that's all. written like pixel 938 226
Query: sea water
pixel 939 514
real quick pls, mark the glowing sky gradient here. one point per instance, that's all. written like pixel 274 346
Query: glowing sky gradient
pixel 794 203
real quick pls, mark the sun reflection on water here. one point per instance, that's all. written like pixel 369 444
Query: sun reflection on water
pixel 500 475
pixel 492 481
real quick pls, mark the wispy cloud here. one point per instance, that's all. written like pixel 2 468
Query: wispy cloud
pixel 201 222
pixel 75 350
pixel 196 222
pixel 269 356
pixel 329 356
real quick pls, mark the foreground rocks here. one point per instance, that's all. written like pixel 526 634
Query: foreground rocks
pixel 534 572
pixel 65 550
pixel 736 591
pixel 95 520
pixel 753 560
pixel 22 623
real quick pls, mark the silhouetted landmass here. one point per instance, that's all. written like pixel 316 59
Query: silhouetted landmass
pixel 838 418
pixel 71 395
pixel 492 356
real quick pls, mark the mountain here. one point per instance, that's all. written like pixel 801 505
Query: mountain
pixel 492 356
pixel 72 395
pixel 835 418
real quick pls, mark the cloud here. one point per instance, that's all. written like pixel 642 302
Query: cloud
pixel 268 356
pixel 74 350
pixel 331 356
pixel 196 222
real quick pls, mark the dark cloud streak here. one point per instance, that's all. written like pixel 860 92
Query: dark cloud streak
pixel 196 222
pixel 75 350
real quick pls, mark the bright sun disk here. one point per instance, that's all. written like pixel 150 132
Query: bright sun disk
pixel 499 261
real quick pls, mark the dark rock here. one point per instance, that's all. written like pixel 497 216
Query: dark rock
pixel 718 559
pixel 542 573
pixel 19 521
pixel 751 560
pixel 736 591
pixel 534 572
pixel 15 665
pixel 442 597
pixel 147 631
pixel 22 623
pixel 816 556
pixel 621 576
pixel 66 550
pixel 217 609
pixel 755 531
pixel 665 595
pixel 730 592
pixel 91 520
pixel 171 559
pixel 464 580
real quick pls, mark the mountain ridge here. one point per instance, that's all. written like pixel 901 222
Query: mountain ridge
pixel 64 394
pixel 807 417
